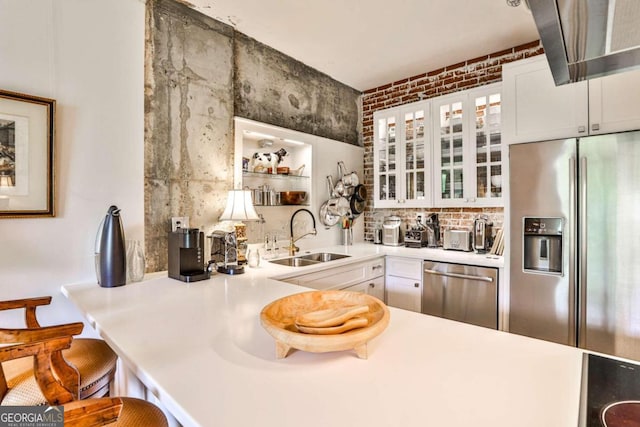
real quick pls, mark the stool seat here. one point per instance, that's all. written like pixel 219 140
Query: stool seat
pixel 134 412
pixel 94 360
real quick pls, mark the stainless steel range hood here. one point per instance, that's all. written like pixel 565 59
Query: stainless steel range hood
pixel 588 38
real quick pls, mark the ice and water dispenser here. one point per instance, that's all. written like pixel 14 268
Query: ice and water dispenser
pixel 542 250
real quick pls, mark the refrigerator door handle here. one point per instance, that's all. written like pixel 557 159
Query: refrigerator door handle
pixel 573 289
pixel 582 276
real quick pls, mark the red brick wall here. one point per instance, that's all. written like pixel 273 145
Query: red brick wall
pixel 464 75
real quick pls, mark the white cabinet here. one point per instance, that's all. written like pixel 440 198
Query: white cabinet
pixel 468 148
pixel 373 287
pixel 536 110
pixel 365 276
pixel 614 103
pixel 402 156
pixel 403 283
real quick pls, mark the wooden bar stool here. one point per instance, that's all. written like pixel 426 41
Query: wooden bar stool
pixel 94 360
pixel 59 382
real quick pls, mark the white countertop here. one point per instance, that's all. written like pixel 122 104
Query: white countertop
pixel 363 251
pixel 200 348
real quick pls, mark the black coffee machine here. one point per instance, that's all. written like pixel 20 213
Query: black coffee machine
pixel 186 255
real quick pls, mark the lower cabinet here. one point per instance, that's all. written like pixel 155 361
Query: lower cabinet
pixel 365 276
pixel 373 287
pixel 403 283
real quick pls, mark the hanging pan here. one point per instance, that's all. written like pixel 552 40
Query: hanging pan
pixel 327 218
pixel 360 192
pixel 356 206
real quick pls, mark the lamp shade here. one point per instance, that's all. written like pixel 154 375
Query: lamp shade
pixel 239 207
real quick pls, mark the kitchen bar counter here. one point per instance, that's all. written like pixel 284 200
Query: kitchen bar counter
pixel 201 350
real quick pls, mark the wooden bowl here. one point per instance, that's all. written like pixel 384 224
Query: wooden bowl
pixel 278 318
pixel 293 197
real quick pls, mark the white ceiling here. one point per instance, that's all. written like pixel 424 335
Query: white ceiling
pixel 368 43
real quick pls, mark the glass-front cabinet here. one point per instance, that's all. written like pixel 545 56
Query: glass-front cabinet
pixel 402 156
pixel 450 129
pixel 488 146
pixel 468 148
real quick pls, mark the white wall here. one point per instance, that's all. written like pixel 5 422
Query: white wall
pixel 89 56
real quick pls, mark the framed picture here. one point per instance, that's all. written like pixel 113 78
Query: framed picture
pixel 26 156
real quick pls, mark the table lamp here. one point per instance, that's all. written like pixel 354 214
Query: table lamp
pixel 239 208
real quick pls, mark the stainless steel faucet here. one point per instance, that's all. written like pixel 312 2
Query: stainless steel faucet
pixel 292 247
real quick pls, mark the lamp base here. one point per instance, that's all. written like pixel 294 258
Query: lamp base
pixel 230 269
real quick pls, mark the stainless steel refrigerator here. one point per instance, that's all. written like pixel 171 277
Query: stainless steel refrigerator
pixel 575 242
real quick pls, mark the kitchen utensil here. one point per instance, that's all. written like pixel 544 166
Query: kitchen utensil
pixel 330 316
pixel 339 206
pixel 356 206
pixel 332 192
pixel 354 179
pixel 360 192
pixel 293 197
pixel 350 179
pixel 339 189
pixel 356 322
pixel 278 319
pixel 327 218
pixel 342 170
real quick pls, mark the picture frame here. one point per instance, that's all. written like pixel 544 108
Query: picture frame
pixel 27 134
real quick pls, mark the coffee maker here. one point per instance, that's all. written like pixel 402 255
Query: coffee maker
pixel 482 239
pixel 186 255
pixel 224 252
pixel 433 230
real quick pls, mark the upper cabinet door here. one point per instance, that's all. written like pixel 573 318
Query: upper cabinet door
pixel 468 148
pixel 534 109
pixel 614 103
pixel 402 156
pixel 416 155
pixel 486 135
pixel 385 155
pixel 451 129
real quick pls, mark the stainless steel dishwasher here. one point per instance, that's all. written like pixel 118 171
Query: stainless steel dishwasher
pixel 466 293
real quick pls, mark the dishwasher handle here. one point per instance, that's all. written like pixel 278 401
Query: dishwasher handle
pixel 460 276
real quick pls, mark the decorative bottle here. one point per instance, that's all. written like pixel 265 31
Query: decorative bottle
pixel 135 261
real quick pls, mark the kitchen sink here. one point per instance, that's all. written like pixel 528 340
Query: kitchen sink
pixel 294 262
pixel 323 256
pixel 310 259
